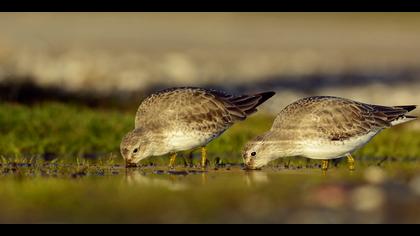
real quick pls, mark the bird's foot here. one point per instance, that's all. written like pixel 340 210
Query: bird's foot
pixel 351 162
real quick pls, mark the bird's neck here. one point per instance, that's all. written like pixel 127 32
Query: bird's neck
pixel 281 147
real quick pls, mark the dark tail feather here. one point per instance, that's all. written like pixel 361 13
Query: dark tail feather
pixel 249 104
pixel 393 114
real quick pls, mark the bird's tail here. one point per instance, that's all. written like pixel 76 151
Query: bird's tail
pixel 397 114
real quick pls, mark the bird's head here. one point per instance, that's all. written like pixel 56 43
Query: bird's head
pixel 256 153
pixel 266 148
pixel 135 146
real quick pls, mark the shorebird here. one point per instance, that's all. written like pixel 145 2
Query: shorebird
pixel 322 128
pixel 185 118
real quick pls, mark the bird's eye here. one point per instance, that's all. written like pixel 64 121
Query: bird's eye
pixel 253 154
pixel 136 150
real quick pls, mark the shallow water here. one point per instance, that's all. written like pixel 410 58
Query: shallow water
pixel 111 194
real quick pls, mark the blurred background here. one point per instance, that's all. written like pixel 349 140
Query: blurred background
pixel 117 58
pixel 70 84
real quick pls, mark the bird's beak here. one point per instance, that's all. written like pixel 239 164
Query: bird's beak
pixel 129 164
pixel 249 165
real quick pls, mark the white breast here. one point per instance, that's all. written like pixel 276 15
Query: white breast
pixel 325 150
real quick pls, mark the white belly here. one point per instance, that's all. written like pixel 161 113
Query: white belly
pixel 325 150
pixel 179 141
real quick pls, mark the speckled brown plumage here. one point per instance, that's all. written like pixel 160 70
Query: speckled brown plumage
pixel 336 118
pixel 196 110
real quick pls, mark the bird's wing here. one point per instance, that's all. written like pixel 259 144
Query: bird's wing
pixel 248 103
pixel 207 111
pixel 338 118
pixel 192 107
pixel 344 119
pixel 197 108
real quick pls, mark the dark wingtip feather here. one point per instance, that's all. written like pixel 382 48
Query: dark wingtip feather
pixel 265 96
pixel 408 108
pixel 255 101
pixel 248 103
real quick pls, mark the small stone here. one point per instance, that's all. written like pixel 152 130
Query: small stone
pixel 330 196
pixel 159 172
pixel 368 198
pixel 375 175
pixel 415 185
pixel 183 173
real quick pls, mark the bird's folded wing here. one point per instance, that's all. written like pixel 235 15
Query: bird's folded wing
pixel 336 118
pixel 346 119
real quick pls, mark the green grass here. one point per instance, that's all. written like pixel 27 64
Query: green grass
pixel 71 132
pixel 65 130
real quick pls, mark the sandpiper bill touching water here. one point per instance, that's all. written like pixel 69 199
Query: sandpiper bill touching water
pixel 322 128
pixel 186 118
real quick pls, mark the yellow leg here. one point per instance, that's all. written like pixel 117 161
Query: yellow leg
pixel 172 161
pixel 352 162
pixel 203 157
pixel 325 165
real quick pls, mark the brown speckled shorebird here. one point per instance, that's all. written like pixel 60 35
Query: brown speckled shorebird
pixel 323 128
pixel 186 118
